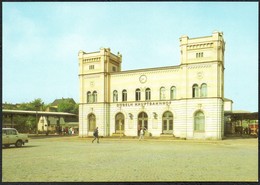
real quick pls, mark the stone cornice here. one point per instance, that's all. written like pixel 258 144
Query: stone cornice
pixel 198 66
pixel 166 100
pixel 148 70
pixel 200 46
pixel 91 59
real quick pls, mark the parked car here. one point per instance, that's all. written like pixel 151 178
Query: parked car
pixel 10 136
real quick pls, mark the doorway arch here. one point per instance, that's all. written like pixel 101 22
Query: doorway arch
pixel 167 123
pixel 119 123
pixel 142 121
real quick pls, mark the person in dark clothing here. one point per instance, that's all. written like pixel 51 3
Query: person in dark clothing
pixel 95 134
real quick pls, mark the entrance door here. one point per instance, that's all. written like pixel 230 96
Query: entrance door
pixel 167 123
pixel 120 123
pixel 142 121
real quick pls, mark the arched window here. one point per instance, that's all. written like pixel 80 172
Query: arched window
pixel 148 94
pixel 167 120
pixel 124 95
pixel 195 91
pixel 115 96
pixel 173 92
pixel 91 122
pixel 137 95
pixel 199 121
pixel 120 122
pixel 94 96
pixel 162 93
pixel 203 90
pixel 89 97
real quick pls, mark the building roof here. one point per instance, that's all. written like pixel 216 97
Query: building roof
pixel 58 101
pixel 240 111
pixel 40 113
pixel 226 99
pixel 242 115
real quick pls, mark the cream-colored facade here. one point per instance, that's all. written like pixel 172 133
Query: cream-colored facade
pixel 185 101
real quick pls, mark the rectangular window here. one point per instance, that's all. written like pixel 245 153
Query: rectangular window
pixel 199 55
pixel 91 67
pixel 114 69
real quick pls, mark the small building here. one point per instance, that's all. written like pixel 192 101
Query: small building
pixel 241 122
pixel 57 125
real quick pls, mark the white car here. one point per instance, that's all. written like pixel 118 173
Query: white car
pixel 10 136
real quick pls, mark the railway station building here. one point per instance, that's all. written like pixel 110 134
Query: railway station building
pixel 184 101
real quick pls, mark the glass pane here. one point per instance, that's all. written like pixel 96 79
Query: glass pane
pixel 199 122
pixel 170 124
pixel 165 125
pixel 117 125
pixel 123 125
pixel 146 124
pixel 204 90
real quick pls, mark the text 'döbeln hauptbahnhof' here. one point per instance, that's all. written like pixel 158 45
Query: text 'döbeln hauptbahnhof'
pixel 184 101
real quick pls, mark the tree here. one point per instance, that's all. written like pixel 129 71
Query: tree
pixel 68 105
pixel 37 104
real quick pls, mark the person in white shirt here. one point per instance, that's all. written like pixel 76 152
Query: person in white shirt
pixel 141 134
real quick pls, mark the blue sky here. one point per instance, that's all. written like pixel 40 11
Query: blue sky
pixel 41 41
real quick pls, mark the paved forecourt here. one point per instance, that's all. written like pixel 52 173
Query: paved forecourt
pixel 74 159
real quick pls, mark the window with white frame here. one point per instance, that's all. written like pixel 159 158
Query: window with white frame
pixel 162 93
pixel 124 95
pixel 199 55
pixel 203 90
pixel 173 93
pixel 115 96
pixel 195 91
pixel 199 121
pixel 89 97
pixel 91 67
pixel 137 95
pixel 94 96
pixel 147 94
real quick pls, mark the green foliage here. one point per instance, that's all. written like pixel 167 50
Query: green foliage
pixel 68 105
pixel 9 106
pixel 37 104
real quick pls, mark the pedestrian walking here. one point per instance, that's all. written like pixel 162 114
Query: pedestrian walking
pixel 141 134
pixel 95 134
